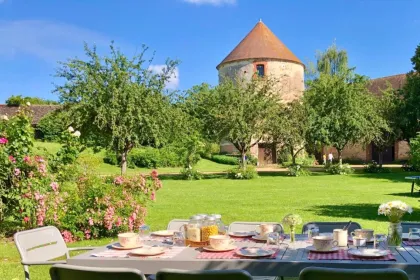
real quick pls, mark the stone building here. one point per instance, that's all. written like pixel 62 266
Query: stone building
pixel 262 53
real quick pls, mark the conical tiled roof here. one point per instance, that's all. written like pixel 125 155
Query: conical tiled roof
pixel 260 43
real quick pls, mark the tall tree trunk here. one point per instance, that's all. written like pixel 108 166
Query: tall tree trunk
pixel 340 158
pixel 243 159
pixel 381 158
pixel 124 162
pixel 293 156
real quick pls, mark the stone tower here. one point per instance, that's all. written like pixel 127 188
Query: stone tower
pixel 262 53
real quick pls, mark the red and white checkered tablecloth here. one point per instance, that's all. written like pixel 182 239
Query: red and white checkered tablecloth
pixel 344 255
pixel 114 253
pixel 229 255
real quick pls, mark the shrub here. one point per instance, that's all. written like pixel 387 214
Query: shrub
pixel 409 168
pixel 52 125
pixel 415 152
pixel 373 167
pixel 190 173
pixel 110 158
pixel 297 170
pixel 239 173
pixel 209 150
pixel 339 169
pixel 169 157
pixel 224 159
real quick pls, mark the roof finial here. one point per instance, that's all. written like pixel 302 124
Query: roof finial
pixel 260 20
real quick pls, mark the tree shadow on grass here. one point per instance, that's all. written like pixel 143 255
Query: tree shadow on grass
pixel 366 211
pixel 394 176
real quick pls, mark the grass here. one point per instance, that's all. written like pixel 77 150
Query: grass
pixel 203 165
pixel 319 197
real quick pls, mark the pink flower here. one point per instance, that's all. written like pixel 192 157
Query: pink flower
pixel 42 168
pixel 67 236
pixel 3 140
pixel 153 196
pixel 12 159
pixel 54 186
pixel 119 222
pixel 26 220
pixel 39 159
pixel 17 172
pixel 87 234
pixel 91 221
pixel 119 180
pixel 154 174
pixel 27 159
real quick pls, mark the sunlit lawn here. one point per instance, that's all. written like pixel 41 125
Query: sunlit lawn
pixel 316 198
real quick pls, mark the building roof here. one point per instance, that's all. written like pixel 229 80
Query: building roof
pixel 260 43
pixel 39 111
pixel 376 86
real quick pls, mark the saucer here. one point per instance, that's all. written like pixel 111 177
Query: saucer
pixel 119 247
pixel 259 238
pixel 255 252
pixel 368 241
pixel 368 253
pixel 313 249
pixel 242 233
pixel 163 233
pixel 148 251
pixel 211 249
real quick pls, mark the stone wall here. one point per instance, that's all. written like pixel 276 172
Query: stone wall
pixel 402 150
pixel 289 75
pixel 357 152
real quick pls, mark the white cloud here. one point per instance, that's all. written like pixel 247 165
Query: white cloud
pixel 173 82
pixel 211 2
pixel 46 40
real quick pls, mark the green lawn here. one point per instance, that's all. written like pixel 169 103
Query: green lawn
pixel 316 198
pixel 203 165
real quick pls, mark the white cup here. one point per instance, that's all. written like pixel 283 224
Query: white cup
pixel 341 236
pixel 220 242
pixel 265 229
pixel 128 239
pixel 324 243
pixel 364 233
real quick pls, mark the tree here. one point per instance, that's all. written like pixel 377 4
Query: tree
pixel 341 112
pixel 289 127
pixel 410 112
pixel 388 106
pixel 117 102
pixel 236 110
pixel 17 100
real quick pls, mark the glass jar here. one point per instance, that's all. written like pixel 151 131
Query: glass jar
pixel 219 223
pixel 394 234
pixel 193 229
pixel 209 228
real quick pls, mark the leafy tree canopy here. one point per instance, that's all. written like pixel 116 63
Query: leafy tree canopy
pixel 117 102
pixel 16 100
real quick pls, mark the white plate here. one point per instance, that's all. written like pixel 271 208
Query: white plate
pixel 242 233
pixel 254 252
pixel 259 238
pixel 119 247
pixel 368 253
pixel 313 249
pixel 164 233
pixel 211 249
pixel 148 251
pixel 368 241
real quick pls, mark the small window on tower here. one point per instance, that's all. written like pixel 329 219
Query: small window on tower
pixel 260 70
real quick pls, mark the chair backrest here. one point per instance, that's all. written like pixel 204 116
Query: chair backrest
pixel 176 224
pixel 407 225
pixel 329 226
pixel 251 226
pixel 170 274
pixel 321 273
pixel 72 272
pixel 40 244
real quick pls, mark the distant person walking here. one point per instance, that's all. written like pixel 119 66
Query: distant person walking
pixel 324 159
pixel 330 157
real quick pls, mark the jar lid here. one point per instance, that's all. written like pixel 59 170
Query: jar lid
pixel 210 218
pixel 217 216
pixel 202 215
pixel 195 217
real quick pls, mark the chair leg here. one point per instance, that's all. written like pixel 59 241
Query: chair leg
pixel 281 278
pixel 26 269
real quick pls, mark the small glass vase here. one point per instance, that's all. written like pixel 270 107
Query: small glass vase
pixel 292 235
pixel 394 234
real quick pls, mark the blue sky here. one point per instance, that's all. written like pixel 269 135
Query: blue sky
pixel 379 35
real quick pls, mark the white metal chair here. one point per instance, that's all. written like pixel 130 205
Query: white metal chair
pixel 176 224
pixel 322 273
pixel 73 272
pixel 407 225
pixel 172 274
pixel 41 246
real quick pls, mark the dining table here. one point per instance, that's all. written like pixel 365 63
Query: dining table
pixel 290 259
